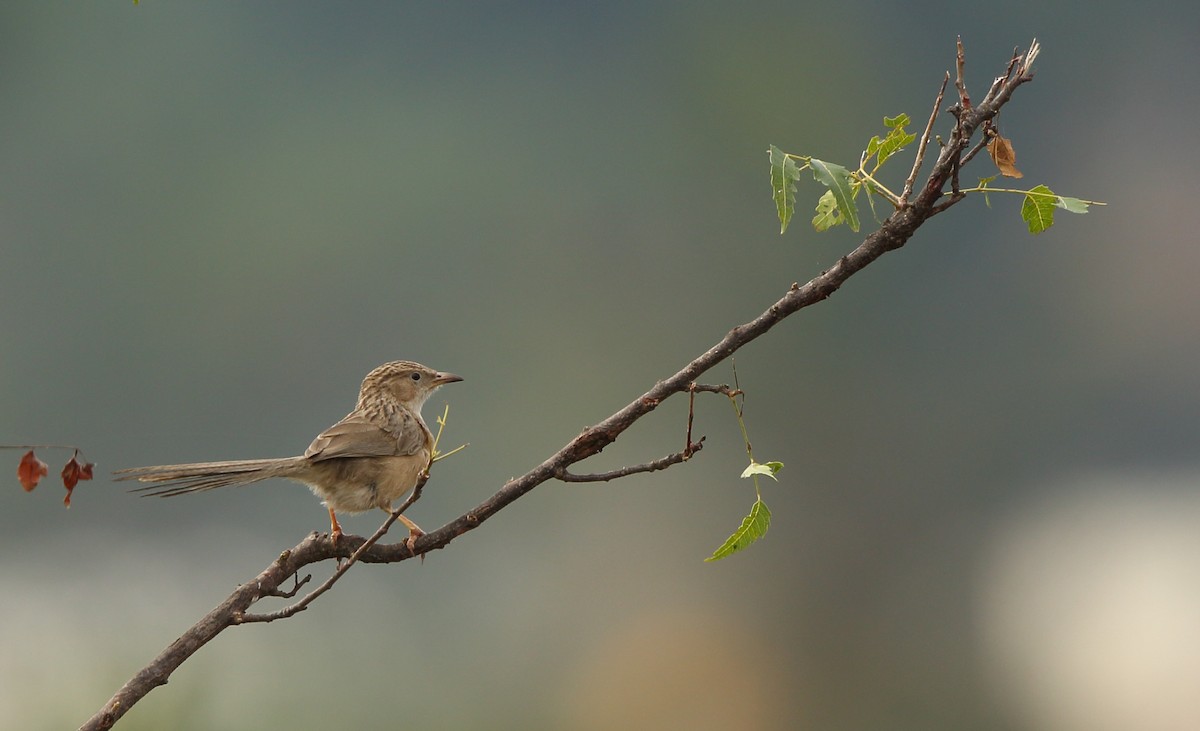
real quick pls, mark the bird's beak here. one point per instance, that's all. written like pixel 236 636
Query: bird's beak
pixel 443 378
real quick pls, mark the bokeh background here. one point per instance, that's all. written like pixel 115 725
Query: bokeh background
pixel 216 217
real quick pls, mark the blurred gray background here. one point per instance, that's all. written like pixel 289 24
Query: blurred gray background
pixel 216 217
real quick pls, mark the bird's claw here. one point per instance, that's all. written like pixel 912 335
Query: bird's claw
pixel 411 541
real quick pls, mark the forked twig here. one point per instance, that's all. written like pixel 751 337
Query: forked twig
pixel 653 466
pixel 340 571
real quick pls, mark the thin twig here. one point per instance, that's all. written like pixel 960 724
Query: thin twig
pixel 658 464
pixel 949 200
pixel 289 593
pixel 687 437
pixel 979 146
pixel 961 83
pixel 705 388
pixel 916 168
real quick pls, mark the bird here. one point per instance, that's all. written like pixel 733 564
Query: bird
pixel 369 459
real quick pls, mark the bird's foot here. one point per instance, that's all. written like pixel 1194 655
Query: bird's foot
pixel 413 534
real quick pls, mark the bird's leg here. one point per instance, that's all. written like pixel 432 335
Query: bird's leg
pixel 414 532
pixel 335 528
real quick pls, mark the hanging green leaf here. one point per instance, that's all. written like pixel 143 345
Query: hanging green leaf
pixel 767 468
pixel 837 179
pixel 1038 209
pixel 754 526
pixel 784 174
pixel 828 214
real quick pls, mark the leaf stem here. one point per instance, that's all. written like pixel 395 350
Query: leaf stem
pixel 737 412
pixel 988 189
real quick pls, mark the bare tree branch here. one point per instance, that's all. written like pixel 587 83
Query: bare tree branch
pixel 658 464
pixel 892 234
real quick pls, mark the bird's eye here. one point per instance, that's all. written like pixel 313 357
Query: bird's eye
pixel 416 376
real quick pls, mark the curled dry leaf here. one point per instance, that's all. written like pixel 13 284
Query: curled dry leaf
pixel 1001 150
pixel 72 473
pixel 31 470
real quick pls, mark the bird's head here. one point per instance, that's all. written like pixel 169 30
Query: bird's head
pixel 409 383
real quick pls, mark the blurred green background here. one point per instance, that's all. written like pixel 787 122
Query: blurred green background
pixel 216 217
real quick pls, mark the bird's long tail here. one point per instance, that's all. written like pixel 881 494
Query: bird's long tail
pixel 180 479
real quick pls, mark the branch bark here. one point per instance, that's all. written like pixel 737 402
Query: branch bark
pixel 894 232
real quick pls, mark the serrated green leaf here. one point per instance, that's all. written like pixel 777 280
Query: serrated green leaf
pixel 754 526
pixel 1073 205
pixel 896 140
pixel 784 174
pixel 828 214
pixel 1038 209
pixel 766 468
pixel 837 179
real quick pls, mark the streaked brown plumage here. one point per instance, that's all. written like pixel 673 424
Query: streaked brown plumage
pixel 367 460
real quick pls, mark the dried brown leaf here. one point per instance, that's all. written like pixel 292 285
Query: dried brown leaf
pixel 1001 150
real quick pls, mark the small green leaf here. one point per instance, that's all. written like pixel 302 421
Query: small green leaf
pixel 828 214
pixel 837 179
pixel 754 526
pixel 896 139
pixel 767 468
pixel 784 174
pixel 1073 205
pixel 1038 209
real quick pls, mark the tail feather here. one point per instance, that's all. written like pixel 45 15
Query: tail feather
pixel 179 479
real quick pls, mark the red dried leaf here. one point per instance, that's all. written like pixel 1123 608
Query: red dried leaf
pixel 73 473
pixel 70 474
pixel 31 470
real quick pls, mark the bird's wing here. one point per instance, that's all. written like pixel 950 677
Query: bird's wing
pixel 358 436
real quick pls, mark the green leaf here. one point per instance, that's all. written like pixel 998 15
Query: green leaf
pixel 837 179
pixel 1038 209
pixel 784 174
pixel 828 214
pixel 767 468
pixel 896 139
pixel 754 526
pixel 1073 205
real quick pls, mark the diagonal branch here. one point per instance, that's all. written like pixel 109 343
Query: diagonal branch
pixel 892 234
